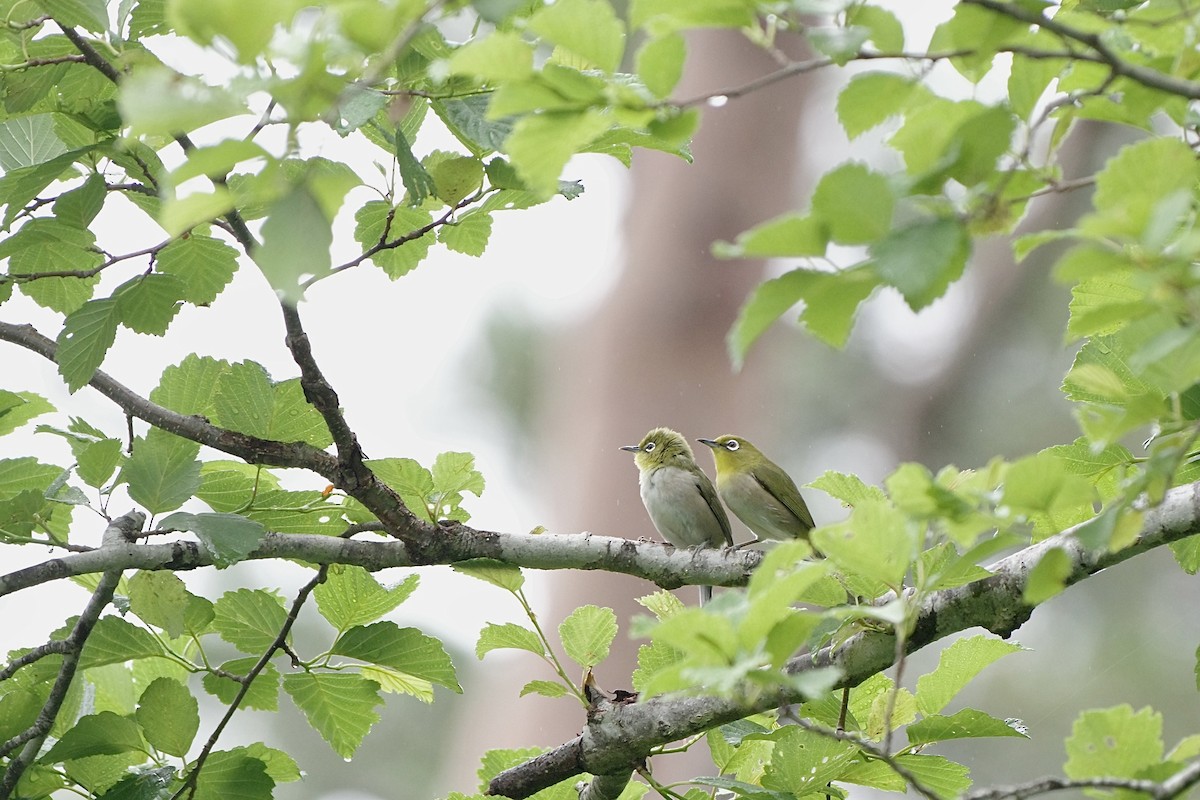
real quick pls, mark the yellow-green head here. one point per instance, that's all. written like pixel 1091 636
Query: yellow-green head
pixel 662 447
pixel 733 454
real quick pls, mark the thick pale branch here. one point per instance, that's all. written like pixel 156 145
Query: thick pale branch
pixel 662 564
pixel 626 734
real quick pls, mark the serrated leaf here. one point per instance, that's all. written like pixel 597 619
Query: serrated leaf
pixel 497 573
pixel 396 682
pixel 940 775
pixel 160 599
pixel 157 100
pixel 115 641
pixel 264 689
pixel 249 619
pixel 541 144
pixel 469 234
pixel 204 264
pixel 234 775
pixel 405 649
pixel 921 260
pixel 148 303
pixel 545 689
pixel 587 28
pixel 500 57
pixel 244 401
pixel 870 98
pixel 189 387
pixel 854 203
pixel 588 633
pixel 803 761
pixel 169 716
pixel 86 336
pixel 876 543
pixel 162 472
pixel 351 596
pixel 957 665
pixel 293 419
pixel 229 538
pixel 964 724
pixel 850 489
pixel 18 408
pixel 789 235
pixel 100 734
pixel 296 238
pixel 662 604
pixel 28 141
pixel 508 636
pixel 340 707
pixel 1048 577
pixel 660 63
pixel 1115 742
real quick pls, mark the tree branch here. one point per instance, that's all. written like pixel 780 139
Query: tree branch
pixel 197 429
pixel 120 530
pixel 1150 78
pixel 1167 789
pixel 280 642
pixel 662 564
pixel 627 733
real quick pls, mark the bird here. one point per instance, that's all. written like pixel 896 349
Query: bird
pixel 758 491
pixel 678 496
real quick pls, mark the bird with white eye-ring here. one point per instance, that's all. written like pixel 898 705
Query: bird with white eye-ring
pixel 758 491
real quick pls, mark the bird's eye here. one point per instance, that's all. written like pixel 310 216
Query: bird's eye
pixel 649 448
pixel 732 445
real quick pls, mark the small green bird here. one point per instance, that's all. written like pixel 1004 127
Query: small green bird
pixel 758 492
pixel 679 497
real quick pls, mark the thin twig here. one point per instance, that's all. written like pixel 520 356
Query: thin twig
pixel 36 654
pixel 1167 789
pixel 30 740
pixel 280 643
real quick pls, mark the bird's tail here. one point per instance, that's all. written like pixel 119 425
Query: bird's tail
pixel 705 594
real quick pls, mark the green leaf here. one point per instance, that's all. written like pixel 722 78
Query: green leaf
pixel 160 599
pixel 500 57
pixel 967 723
pixel 1134 182
pixel 469 234
pixel 234 775
pixel 249 619
pixel 497 573
pixel 405 649
pixel 293 419
pixel 169 716
pixel 229 538
pixel 957 665
pixel 204 264
pixel 100 734
pixel 663 16
pixel 18 408
pixel 885 29
pixel 189 387
pixel 264 689
pixel 418 183
pixel 545 689
pixel 80 206
pixel 456 178
pixel 28 141
pixel 850 489
pixel 379 223
pixel 351 596
pixel 854 203
pixel 162 472
pixel 455 473
pixel 409 479
pixel 340 707
pixel 870 98
pixel 662 604
pixel 978 31
pixel 789 235
pixel 115 641
pixel 541 144
pixel 921 260
pixel 86 336
pixel 469 121
pixel 830 302
pixel 508 636
pixel 587 634
pixel 660 63
pixel 159 101
pixel 942 776
pixel 1187 554
pixel 244 401
pixel 1115 742
pixel 805 761
pixel 148 303
pixel 91 15
pixel 395 682
pixel 588 29
pixel 1048 577
pixel 296 238
pixel 876 543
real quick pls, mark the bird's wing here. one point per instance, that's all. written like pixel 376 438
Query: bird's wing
pixel 797 506
pixel 705 487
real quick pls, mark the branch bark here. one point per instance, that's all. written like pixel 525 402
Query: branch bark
pixel 619 739
pixel 122 529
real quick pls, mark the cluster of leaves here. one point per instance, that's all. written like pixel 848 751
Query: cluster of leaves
pixel 130 720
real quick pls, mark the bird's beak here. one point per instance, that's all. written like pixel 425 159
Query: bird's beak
pixel 709 442
pixel 632 448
